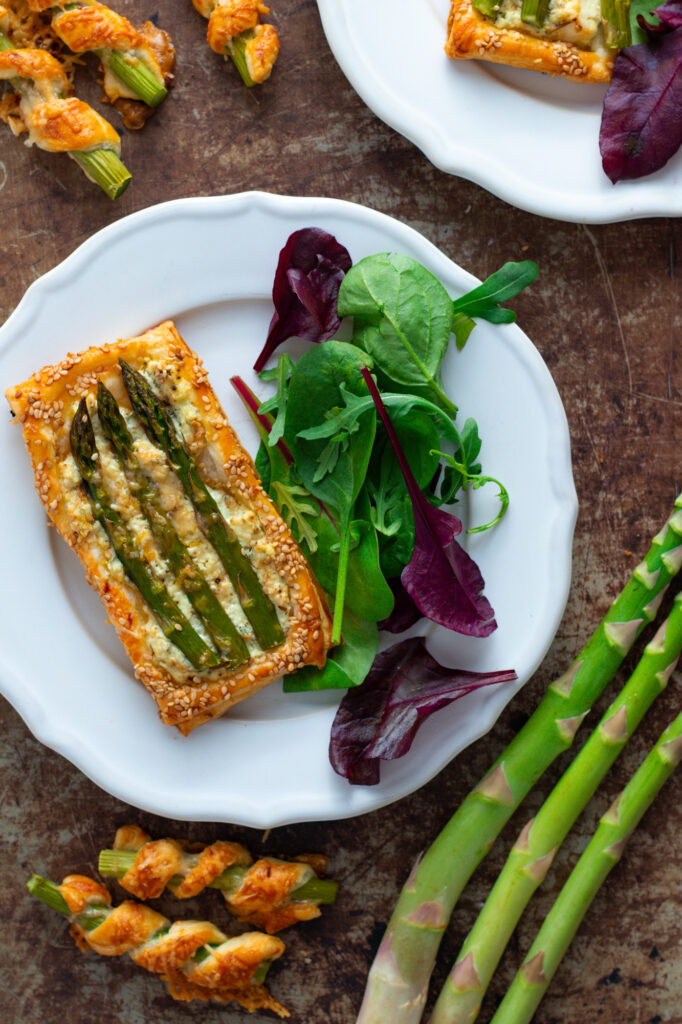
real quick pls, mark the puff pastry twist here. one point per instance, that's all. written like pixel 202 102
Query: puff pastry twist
pixel 235 28
pixel 131 66
pixel 262 893
pixel 54 120
pixel 194 958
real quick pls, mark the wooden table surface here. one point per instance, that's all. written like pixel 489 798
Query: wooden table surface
pixel 606 316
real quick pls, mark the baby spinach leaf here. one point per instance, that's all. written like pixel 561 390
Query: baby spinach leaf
pixel 484 301
pixel 367 592
pixel 402 319
pixel 346 666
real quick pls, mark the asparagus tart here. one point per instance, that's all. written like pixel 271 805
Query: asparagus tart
pixel 577 39
pixel 140 472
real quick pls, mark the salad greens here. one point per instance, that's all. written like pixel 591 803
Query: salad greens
pixel 360 450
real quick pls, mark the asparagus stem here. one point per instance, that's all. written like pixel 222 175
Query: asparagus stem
pixel 236 49
pixel 488 8
pixel 616 23
pixel 601 855
pixel 398 979
pixel 257 606
pixel 223 632
pixel 102 166
pixel 173 623
pixel 134 73
pixel 534 12
pixel 95 915
pixel 49 894
pixel 105 168
pixel 530 859
pixel 115 863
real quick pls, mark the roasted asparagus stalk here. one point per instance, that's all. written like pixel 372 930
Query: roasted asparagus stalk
pixel 54 120
pixel 269 893
pixel 194 958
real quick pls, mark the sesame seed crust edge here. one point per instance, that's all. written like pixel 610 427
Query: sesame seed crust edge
pixel 472 36
pixel 44 405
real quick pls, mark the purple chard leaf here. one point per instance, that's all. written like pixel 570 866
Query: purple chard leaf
pixel 641 126
pixel 443 581
pixel 309 273
pixel 378 720
pixel 670 13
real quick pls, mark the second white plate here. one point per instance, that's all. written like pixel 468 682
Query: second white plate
pixel 209 264
pixel 531 139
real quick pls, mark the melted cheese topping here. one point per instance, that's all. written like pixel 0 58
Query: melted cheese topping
pixel 577 22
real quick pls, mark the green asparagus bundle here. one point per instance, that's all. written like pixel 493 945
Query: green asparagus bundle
pixel 228 641
pixel 601 855
pixel 531 857
pixel 159 427
pixel 175 627
pixel 398 979
pixel 74 127
pixel 195 958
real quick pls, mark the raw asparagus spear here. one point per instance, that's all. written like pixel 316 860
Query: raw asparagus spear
pixel 224 633
pixel 601 855
pixel 531 857
pixel 101 165
pixel 96 914
pixel 398 979
pixel 175 627
pixel 115 863
pixel 257 606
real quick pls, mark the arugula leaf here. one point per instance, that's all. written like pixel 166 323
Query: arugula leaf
pixel 294 511
pixel 368 594
pixel 341 421
pixel 346 666
pixel 281 373
pixel 463 464
pixel 484 301
pixel 402 319
pixel 316 384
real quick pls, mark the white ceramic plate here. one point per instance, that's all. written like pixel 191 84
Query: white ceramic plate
pixel 529 138
pixel 209 264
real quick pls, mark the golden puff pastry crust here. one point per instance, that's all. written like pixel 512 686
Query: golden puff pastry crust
pixel 473 36
pixel 45 406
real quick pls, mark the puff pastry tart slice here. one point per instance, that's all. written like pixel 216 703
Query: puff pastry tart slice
pixel 141 473
pixel 561 37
